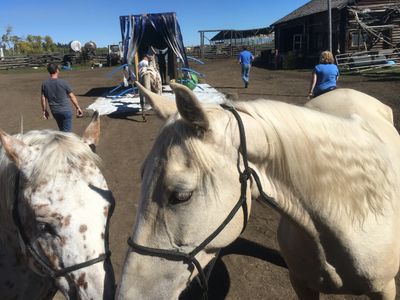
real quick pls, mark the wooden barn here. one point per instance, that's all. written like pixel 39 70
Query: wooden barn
pixel 357 26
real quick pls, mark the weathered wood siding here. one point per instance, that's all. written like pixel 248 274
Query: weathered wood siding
pixel 392 34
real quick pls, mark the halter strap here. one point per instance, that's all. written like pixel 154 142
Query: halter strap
pixel 43 263
pixel 244 176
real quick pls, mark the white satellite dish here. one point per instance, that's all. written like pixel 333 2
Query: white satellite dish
pixel 75 46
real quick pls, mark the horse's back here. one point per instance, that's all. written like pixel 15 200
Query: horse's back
pixel 376 117
pixel 346 102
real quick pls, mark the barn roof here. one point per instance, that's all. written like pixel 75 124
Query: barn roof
pixel 226 34
pixel 313 7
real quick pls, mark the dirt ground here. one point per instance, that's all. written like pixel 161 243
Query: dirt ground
pixel 251 268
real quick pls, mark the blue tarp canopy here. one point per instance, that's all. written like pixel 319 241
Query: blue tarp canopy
pixel 160 31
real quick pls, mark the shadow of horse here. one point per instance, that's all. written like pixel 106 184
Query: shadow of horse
pixel 219 282
pixel 97 92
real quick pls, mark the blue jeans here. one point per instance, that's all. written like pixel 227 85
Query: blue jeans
pixel 64 120
pixel 246 73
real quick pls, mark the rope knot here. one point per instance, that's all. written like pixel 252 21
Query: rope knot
pixel 244 176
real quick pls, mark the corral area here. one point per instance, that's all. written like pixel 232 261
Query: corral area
pixel 251 268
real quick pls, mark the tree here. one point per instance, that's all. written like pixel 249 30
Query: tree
pixel 31 44
pixel 6 38
pixel 48 44
pixel 23 47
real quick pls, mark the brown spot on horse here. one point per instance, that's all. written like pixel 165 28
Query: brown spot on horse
pixel 81 280
pixel 105 211
pixel 67 221
pixel 82 228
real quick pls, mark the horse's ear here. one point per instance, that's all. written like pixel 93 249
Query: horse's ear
pixel 15 149
pixel 91 135
pixel 161 106
pixel 189 107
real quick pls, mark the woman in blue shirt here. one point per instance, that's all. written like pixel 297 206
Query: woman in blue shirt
pixel 324 76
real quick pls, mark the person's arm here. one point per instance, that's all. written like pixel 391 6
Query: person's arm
pixel 312 84
pixel 43 103
pixel 338 73
pixel 74 101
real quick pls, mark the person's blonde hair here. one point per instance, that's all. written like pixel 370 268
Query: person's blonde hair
pixel 326 58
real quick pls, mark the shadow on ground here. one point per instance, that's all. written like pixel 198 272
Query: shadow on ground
pixel 219 282
pixel 98 92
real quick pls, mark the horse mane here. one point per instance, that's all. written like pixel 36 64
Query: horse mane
pixel 333 165
pixel 59 152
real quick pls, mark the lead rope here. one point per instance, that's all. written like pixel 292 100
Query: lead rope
pixel 250 172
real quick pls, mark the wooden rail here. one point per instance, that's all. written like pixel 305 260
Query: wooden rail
pixel 226 51
pixel 366 60
pixel 41 60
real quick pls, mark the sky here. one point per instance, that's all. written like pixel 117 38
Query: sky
pixel 98 21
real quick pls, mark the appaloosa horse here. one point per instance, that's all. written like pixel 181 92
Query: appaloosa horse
pixel 331 169
pixel 54 211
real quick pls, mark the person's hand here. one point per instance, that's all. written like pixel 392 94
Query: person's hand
pixel 79 113
pixel 310 96
pixel 45 115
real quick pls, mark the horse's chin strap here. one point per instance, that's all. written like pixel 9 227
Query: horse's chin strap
pixel 27 244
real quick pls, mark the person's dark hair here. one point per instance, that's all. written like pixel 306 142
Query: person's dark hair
pixel 52 68
pixel 244 48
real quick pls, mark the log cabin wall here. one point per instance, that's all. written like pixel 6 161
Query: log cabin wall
pixel 306 36
pixel 373 13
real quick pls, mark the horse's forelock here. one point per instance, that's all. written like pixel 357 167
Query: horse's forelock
pixel 60 151
pixel 177 133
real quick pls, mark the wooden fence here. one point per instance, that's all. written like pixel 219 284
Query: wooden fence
pixel 41 60
pixel 367 60
pixel 225 51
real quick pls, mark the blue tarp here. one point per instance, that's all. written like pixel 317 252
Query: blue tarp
pixel 161 30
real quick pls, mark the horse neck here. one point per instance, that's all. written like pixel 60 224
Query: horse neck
pixel 306 165
pixel 16 278
pixel 7 192
pixel 266 125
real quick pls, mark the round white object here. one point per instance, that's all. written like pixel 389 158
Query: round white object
pixel 76 46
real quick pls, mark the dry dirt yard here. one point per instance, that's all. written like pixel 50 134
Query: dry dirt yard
pixel 251 268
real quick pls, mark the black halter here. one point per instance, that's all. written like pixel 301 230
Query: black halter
pixel 41 261
pixel 190 258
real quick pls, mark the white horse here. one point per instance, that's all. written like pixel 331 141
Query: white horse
pixel 332 168
pixel 150 78
pixel 54 211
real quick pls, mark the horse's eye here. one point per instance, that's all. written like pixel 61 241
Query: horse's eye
pixel 179 197
pixel 43 227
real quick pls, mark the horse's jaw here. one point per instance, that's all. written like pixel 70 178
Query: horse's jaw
pixel 148 277
pixel 92 282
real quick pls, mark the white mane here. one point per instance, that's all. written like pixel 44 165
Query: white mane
pixel 331 163
pixel 335 163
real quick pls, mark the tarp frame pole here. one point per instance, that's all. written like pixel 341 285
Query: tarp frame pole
pixel 202 44
pixel 137 64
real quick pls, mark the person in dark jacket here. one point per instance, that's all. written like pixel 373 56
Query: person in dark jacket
pixel 57 93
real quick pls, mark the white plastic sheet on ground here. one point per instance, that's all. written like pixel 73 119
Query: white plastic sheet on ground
pixel 130 103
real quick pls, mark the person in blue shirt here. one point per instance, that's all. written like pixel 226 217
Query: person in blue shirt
pixel 245 59
pixel 324 76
